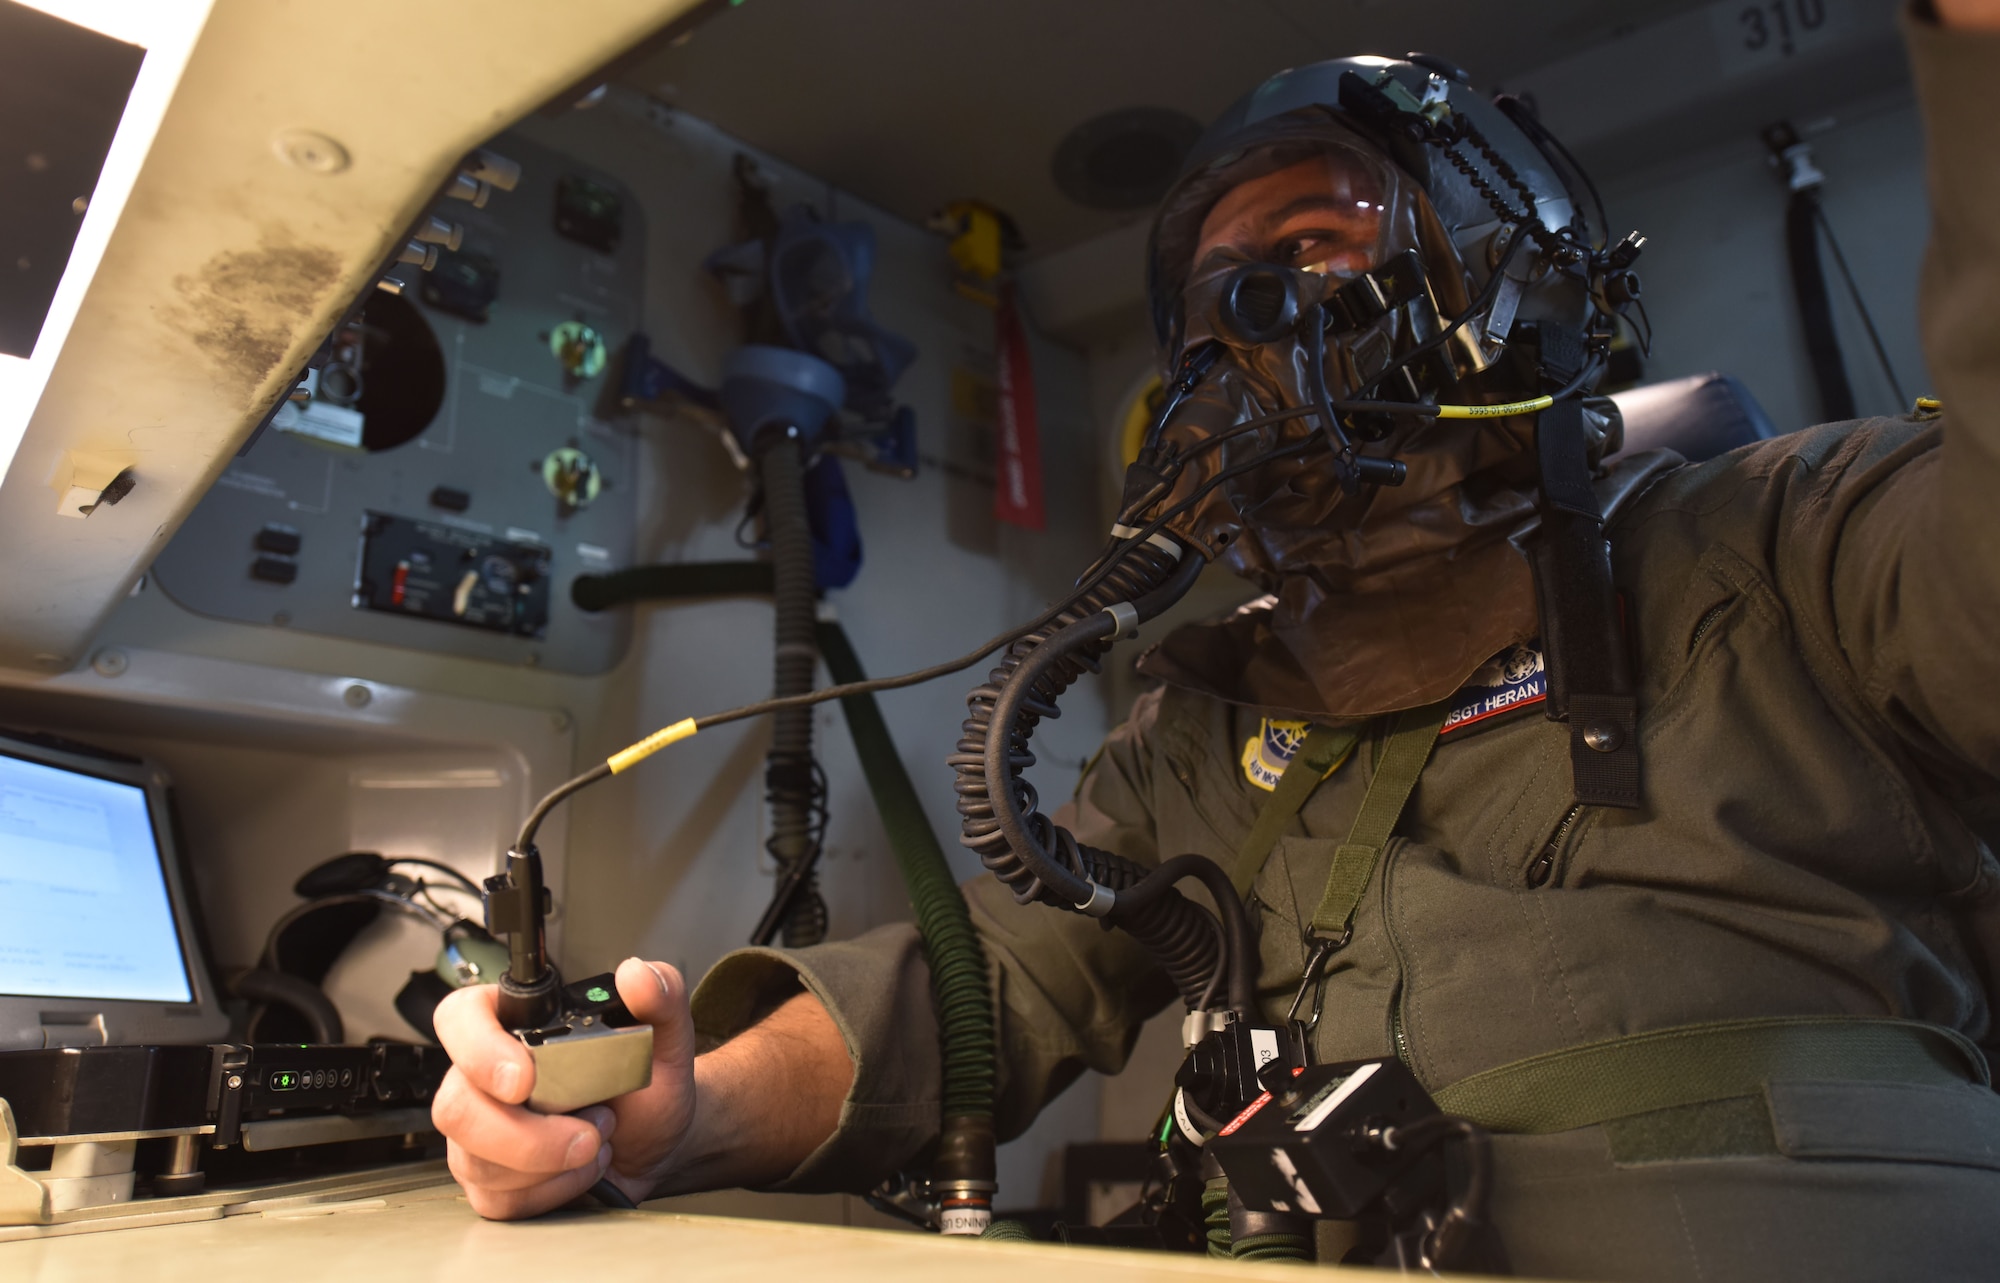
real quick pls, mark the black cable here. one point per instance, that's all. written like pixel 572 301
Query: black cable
pixel 526 841
pixel 1643 327
pixel 1195 365
pixel 1092 578
pixel 922 675
pixel 611 1196
pixel 441 867
pixel 1861 305
pixel 1322 401
pixel 1479 306
pixel 427 891
pixel 1517 111
pixel 1591 369
pixel 1235 918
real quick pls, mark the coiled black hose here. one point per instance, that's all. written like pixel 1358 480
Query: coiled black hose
pixel 791 782
pixel 1037 860
pixel 1139 571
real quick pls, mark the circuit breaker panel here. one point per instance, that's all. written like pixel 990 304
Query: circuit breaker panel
pixel 451 474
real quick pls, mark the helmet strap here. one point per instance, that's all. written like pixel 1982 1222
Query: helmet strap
pixel 1583 638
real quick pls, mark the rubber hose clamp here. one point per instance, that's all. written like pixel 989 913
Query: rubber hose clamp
pixel 1158 540
pixel 1102 900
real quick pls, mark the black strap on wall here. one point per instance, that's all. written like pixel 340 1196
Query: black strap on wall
pixel 1583 644
pixel 1836 397
pixel 668 582
pixel 1793 159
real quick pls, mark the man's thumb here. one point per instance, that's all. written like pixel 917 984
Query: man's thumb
pixel 656 993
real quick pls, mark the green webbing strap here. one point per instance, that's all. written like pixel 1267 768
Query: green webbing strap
pixel 1403 758
pixel 1695 1064
pixel 1324 749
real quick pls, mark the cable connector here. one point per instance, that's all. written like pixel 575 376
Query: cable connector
pixel 1625 252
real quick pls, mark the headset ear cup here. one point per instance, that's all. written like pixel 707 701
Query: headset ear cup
pixel 418 999
pixel 312 942
pixel 353 871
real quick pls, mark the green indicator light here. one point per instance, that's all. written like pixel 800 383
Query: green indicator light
pixel 597 993
pixel 284 1080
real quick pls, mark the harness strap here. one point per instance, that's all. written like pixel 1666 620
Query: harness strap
pixel 1324 750
pixel 1403 757
pixel 1601 1082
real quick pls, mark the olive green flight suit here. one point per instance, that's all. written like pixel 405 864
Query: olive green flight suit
pixel 1817 621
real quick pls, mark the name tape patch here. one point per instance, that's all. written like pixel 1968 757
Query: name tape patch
pixel 1514 679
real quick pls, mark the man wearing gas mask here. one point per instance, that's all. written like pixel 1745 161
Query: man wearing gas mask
pixel 1642 811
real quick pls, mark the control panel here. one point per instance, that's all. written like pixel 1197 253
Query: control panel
pixel 453 464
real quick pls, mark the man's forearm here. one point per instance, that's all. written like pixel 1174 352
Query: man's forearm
pixel 764 1101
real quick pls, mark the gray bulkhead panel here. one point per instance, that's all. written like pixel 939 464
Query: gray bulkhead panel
pixel 507 407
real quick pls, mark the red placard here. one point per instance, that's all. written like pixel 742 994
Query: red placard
pixel 1017 499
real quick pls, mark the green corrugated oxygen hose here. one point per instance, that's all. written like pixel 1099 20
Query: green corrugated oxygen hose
pixel 1215 1215
pixel 1222 1242
pixel 957 961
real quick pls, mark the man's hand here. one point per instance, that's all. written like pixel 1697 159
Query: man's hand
pixel 514 1162
pixel 766 1100
pixel 1970 15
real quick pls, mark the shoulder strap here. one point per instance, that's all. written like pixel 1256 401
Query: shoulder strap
pixel 1403 758
pixel 1324 749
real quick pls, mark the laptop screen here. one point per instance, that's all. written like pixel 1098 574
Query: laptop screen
pixel 84 908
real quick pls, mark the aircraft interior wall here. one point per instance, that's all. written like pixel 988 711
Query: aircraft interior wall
pixel 290 742
pixel 658 864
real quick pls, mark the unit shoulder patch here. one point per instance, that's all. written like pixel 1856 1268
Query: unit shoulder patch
pixel 1511 681
pixel 1277 741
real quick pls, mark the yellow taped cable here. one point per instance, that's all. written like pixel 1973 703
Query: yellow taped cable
pixel 626 758
pixel 1494 411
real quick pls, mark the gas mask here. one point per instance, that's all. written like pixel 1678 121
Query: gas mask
pixel 1389 542
pixel 1387 548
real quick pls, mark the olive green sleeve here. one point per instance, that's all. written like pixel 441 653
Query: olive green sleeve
pixel 1069 995
pixel 1916 574
pixel 877 989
